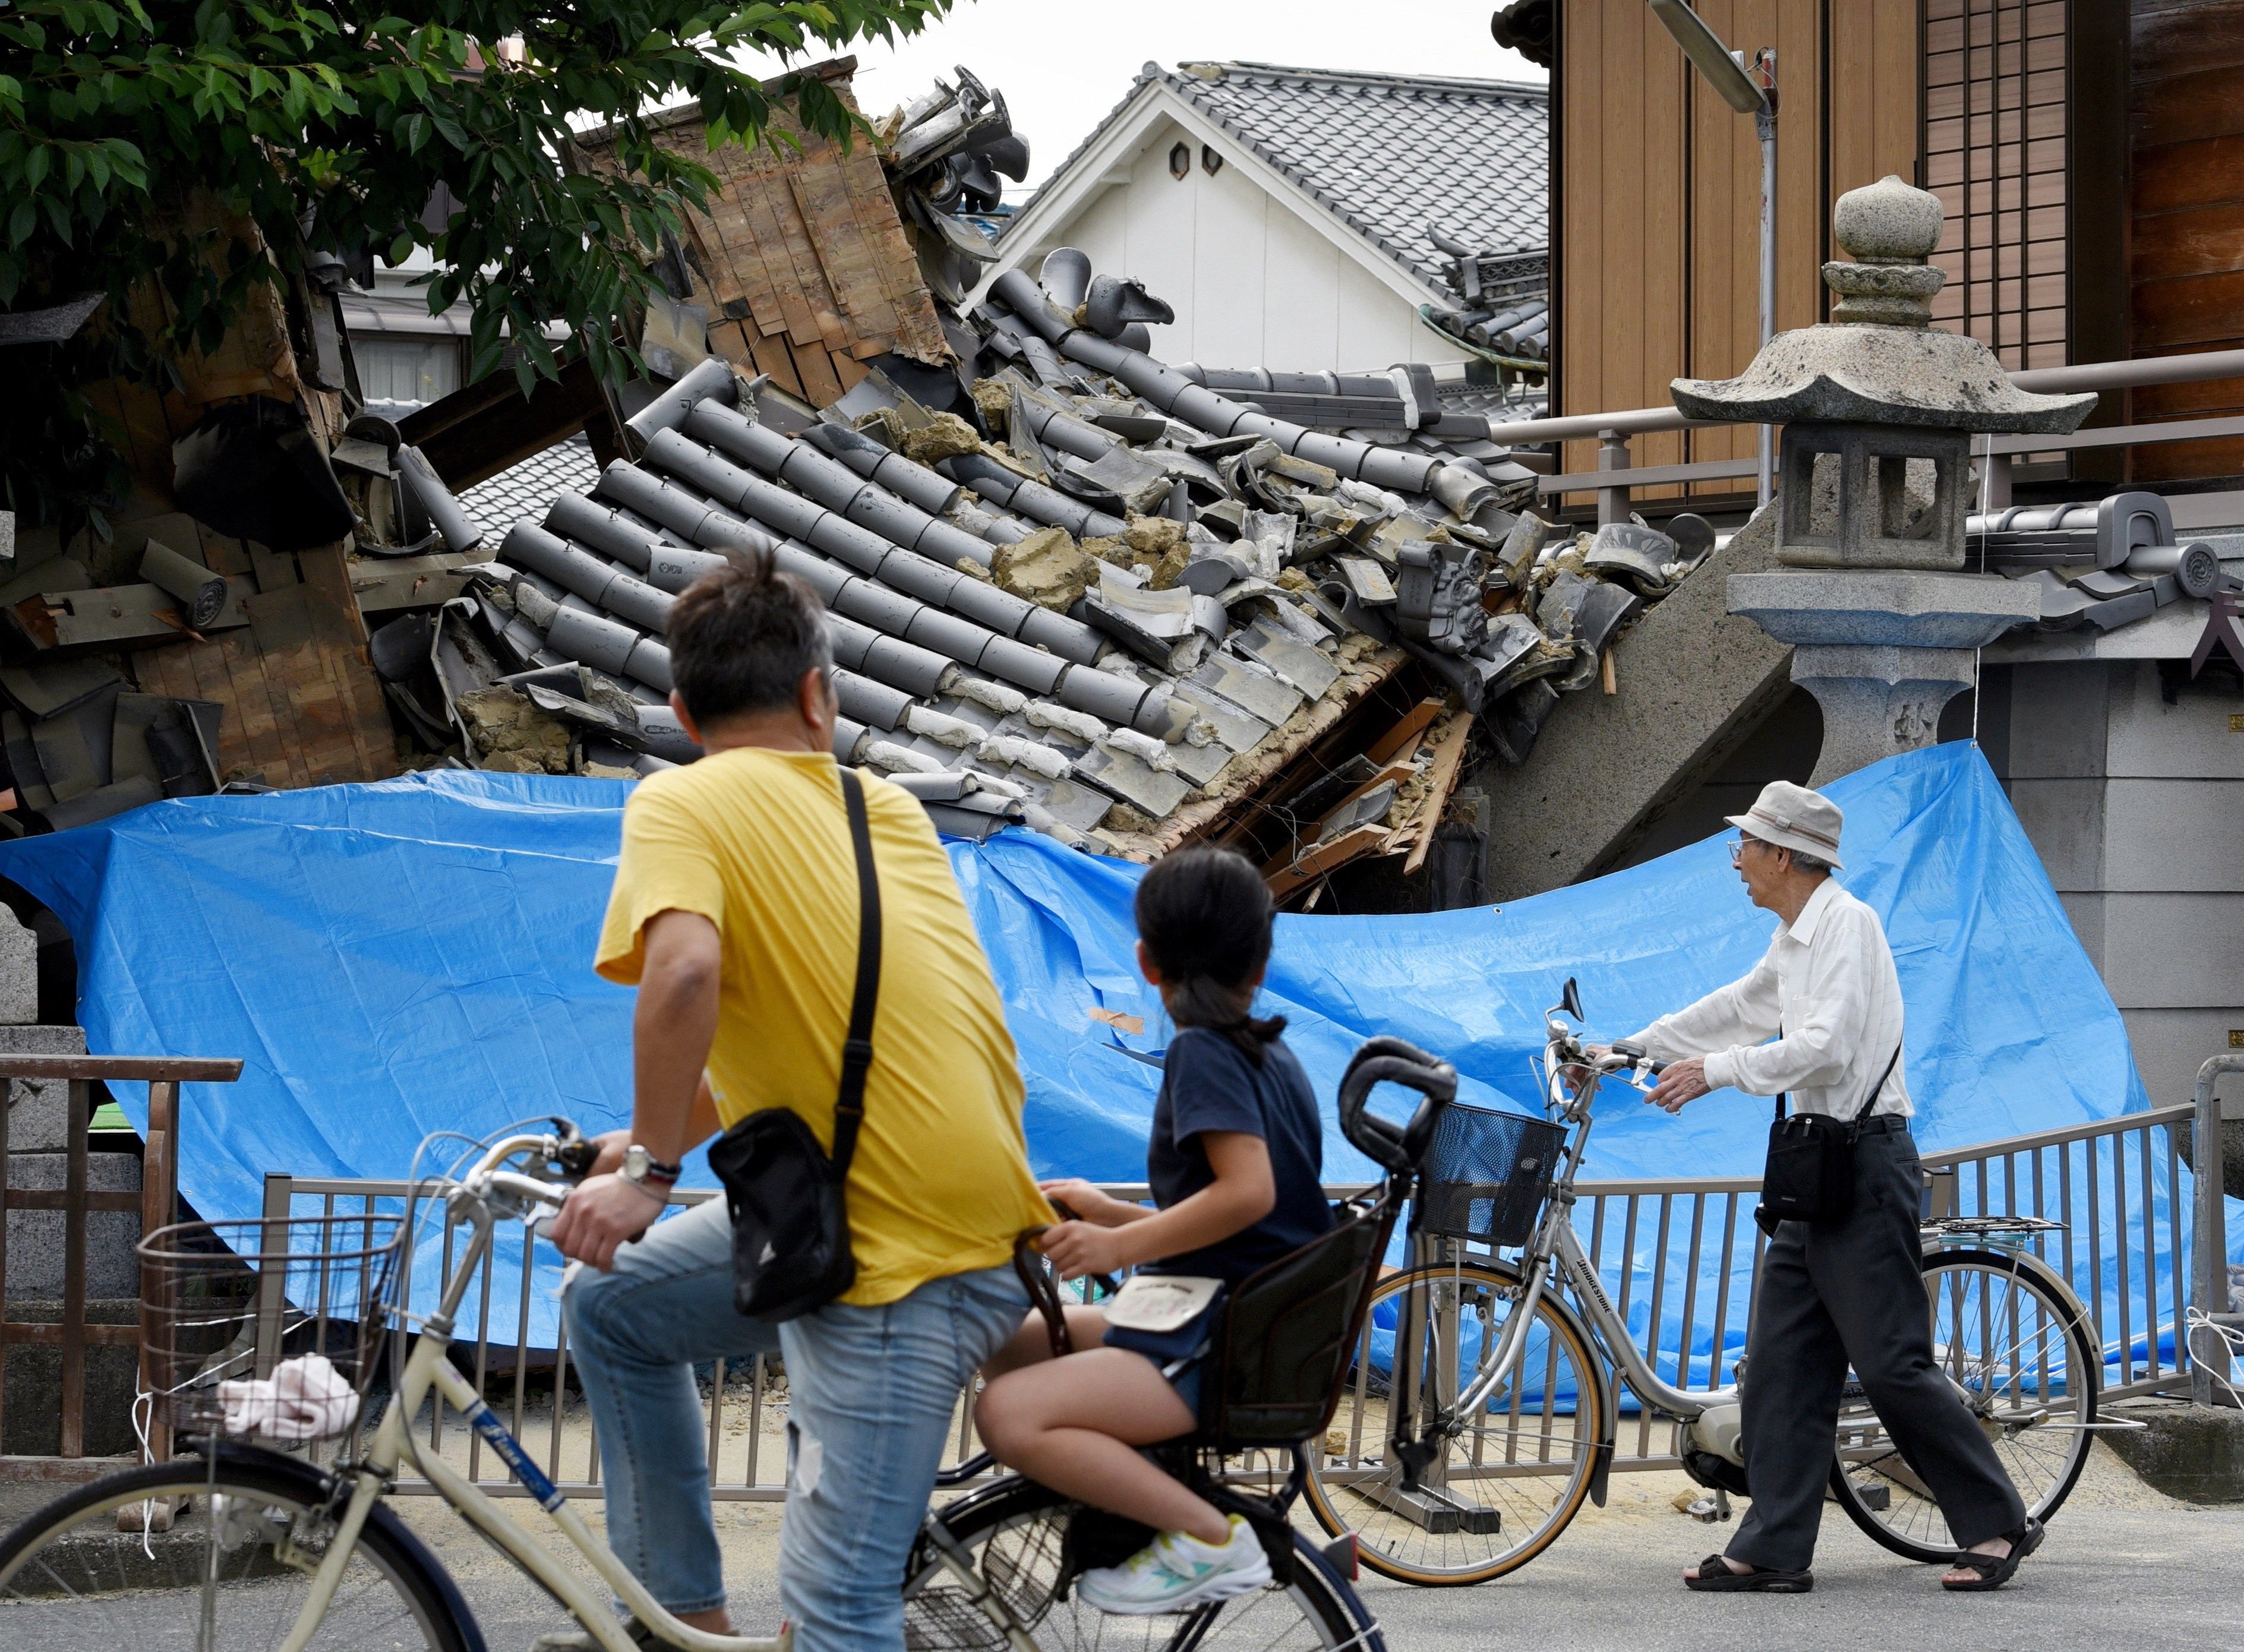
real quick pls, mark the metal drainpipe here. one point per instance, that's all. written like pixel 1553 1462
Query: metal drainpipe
pixel 2209 1354
pixel 1612 454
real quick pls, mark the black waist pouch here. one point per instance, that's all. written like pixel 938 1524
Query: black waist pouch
pixel 1810 1175
pixel 787 1197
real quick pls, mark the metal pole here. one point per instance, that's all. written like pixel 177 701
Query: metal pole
pixel 1765 129
pixel 2208 1354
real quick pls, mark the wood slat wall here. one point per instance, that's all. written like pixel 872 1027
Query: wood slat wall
pixel 2186 217
pixel 1995 88
pixel 1659 180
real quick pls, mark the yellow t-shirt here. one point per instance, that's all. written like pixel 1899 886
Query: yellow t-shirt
pixel 756 841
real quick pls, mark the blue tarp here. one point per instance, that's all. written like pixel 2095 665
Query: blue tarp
pixel 397 959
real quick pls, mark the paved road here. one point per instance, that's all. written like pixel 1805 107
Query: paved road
pixel 2124 1570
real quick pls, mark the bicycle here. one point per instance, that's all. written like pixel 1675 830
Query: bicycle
pixel 1501 1411
pixel 1275 1370
pixel 267 1549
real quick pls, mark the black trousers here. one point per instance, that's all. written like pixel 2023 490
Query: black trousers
pixel 1853 1293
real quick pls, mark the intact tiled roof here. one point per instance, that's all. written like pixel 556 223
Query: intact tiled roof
pixel 1386 154
pixel 523 491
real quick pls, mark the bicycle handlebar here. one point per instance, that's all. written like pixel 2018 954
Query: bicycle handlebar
pixel 1391 1060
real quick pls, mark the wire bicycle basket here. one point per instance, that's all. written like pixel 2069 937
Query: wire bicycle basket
pixel 1487 1174
pixel 236 1317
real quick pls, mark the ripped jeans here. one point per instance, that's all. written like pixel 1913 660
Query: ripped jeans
pixel 871 1396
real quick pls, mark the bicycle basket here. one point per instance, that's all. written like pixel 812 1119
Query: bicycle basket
pixel 230 1312
pixel 1487 1174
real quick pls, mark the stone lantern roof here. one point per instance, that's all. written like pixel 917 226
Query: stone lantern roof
pixel 1879 362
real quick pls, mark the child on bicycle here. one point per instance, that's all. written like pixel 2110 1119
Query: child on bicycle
pixel 1235 1164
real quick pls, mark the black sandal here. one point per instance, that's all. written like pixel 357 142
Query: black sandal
pixel 1996 1570
pixel 1716 1578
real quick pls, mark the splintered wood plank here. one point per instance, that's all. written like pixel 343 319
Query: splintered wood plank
pixel 773 221
pixel 1441 779
pixel 833 245
pixel 1307 866
pixel 730 340
pixel 822 386
pixel 772 356
pixel 1405 733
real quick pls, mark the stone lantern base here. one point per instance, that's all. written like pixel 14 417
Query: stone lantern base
pixel 1881 650
pixel 1879 523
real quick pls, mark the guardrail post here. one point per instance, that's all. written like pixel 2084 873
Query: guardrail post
pixel 1612 454
pixel 2208 1355
pixel 273 1272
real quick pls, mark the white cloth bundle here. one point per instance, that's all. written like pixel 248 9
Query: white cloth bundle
pixel 304 1398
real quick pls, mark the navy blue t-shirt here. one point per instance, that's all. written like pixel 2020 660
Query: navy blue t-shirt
pixel 1208 1083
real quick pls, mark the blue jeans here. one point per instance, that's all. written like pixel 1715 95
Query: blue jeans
pixel 871 1395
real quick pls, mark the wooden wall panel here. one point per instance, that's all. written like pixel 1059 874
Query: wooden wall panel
pixel 2186 237
pixel 1622 278
pixel 1659 184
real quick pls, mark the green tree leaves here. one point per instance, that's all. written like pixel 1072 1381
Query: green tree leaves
pixel 329 126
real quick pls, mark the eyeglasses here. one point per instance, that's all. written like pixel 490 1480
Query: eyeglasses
pixel 1738 849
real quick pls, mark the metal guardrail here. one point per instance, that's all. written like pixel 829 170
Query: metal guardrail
pixel 1688 1244
pixel 1617 476
pixel 157 1203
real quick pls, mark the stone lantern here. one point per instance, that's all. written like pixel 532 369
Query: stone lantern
pixel 1874 481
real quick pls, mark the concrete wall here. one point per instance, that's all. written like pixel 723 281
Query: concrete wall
pixel 1254 284
pixel 2137 809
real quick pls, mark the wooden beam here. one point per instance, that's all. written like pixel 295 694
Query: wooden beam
pixel 1449 758
pixel 1289 874
pixel 1415 722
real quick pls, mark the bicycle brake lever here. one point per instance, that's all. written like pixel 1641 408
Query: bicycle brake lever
pixel 577 1158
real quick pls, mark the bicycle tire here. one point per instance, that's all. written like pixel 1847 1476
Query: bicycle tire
pixel 72 1581
pixel 1015 1528
pixel 2039 1315
pixel 1393 1544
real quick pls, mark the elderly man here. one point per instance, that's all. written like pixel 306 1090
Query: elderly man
pixel 1826 1000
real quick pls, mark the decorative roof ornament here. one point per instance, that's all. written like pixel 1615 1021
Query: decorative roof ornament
pixel 1879 360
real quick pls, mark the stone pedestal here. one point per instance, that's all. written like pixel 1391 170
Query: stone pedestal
pixel 1881 650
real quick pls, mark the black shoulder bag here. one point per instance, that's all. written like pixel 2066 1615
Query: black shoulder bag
pixel 790 1214
pixel 1810 1173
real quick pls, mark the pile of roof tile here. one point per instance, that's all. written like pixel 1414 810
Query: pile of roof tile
pixel 1095 594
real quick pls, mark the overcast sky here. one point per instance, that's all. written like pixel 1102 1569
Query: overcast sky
pixel 1063 64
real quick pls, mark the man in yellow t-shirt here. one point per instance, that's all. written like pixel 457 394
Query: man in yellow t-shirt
pixel 735 914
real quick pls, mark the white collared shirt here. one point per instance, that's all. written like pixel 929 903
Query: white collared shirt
pixel 1827 983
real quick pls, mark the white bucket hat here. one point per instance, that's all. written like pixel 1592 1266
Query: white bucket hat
pixel 1792 817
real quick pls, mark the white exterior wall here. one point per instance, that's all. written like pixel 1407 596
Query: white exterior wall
pixel 1253 283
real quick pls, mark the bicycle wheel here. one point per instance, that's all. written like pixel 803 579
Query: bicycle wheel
pixel 2017 1346
pixel 230 1575
pixel 1016 1531
pixel 1515 1472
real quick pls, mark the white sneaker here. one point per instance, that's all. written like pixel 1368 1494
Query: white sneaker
pixel 1176 1572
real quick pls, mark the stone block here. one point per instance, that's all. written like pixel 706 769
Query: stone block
pixel 1877 700
pixel 2059 711
pixel 2150 738
pixel 34 1378
pixel 2195 1453
pixel 2173 951
pixel 2065 821
pixel 36 1237
pixel 2174 835
pixel 1883 608
pixel 1694 680
pixel 19 972
pixel 39 1109
pixel 2170 1045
